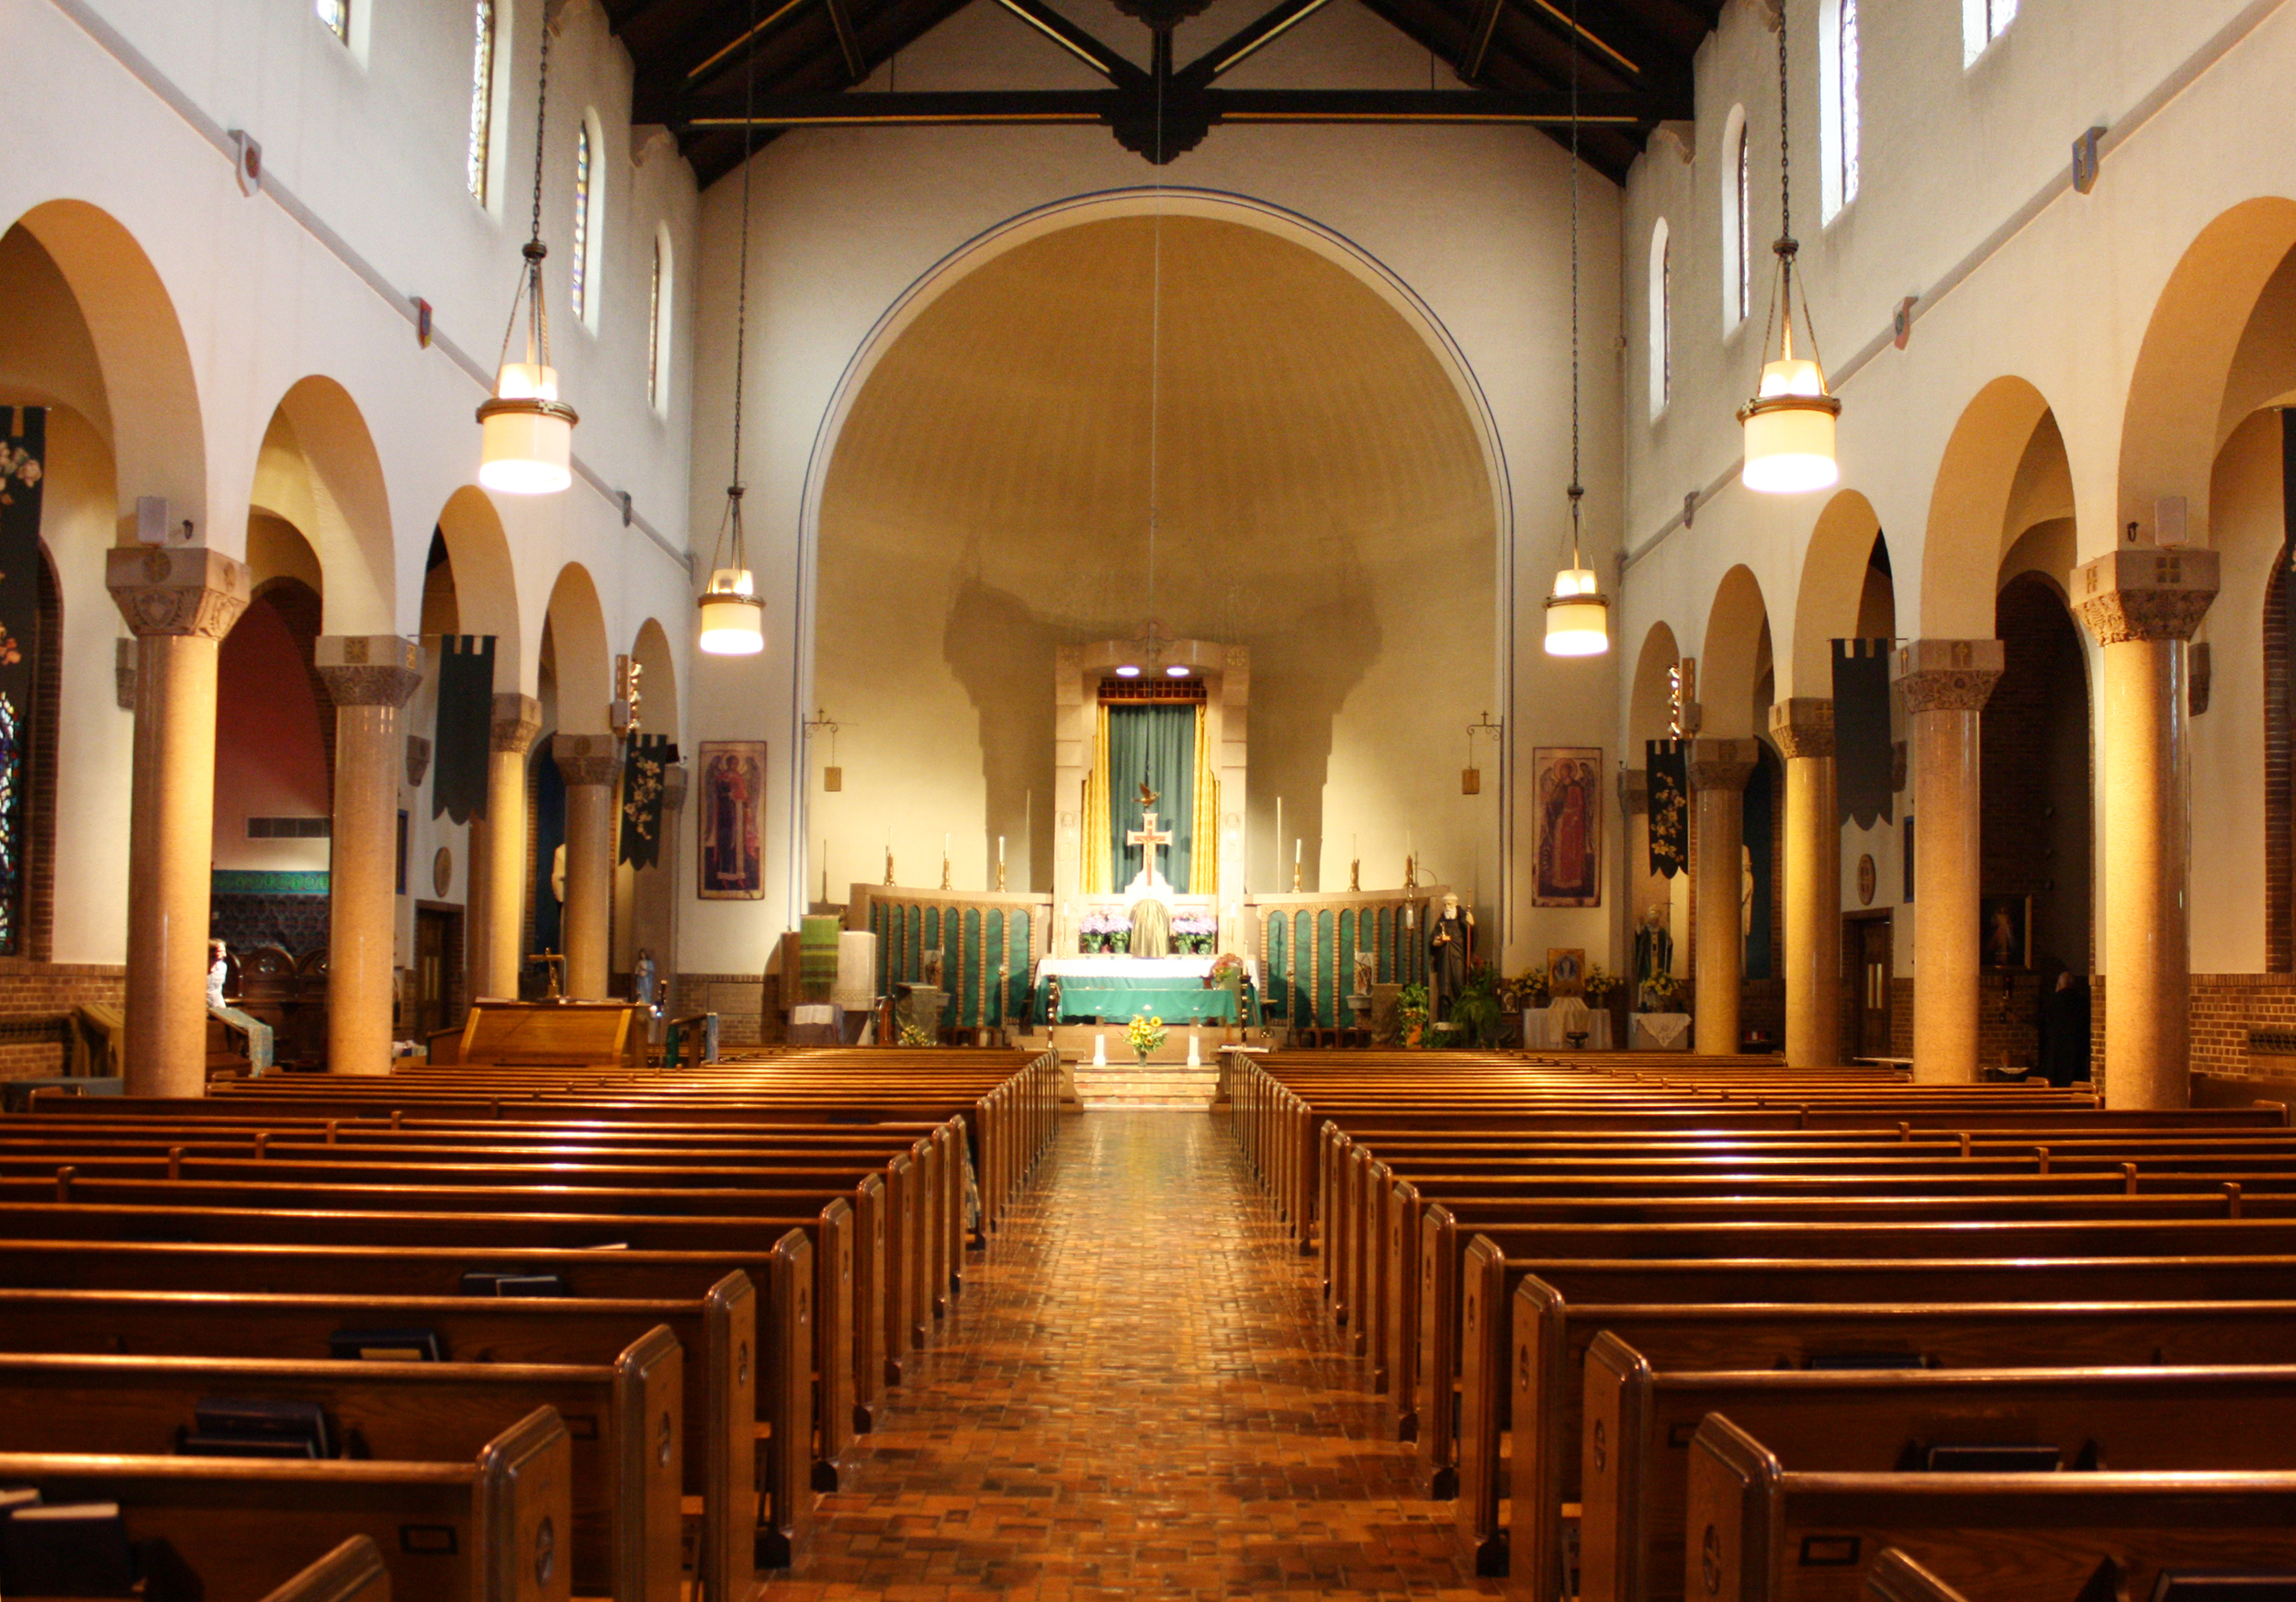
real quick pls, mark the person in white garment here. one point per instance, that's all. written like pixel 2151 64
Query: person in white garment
pixel 257 1031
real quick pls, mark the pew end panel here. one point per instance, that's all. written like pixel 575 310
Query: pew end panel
pixel 649 1431
pixel 1482 1325
pixel 785 1419
pixel 1733 1513
pixel 726 1555
pixel 1539 1380
pixel 1438 1355
pixel 1896 1577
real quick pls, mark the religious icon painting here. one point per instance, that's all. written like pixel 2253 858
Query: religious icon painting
pixel 730 820
pixel 2006 931
pixel 1569 791
pixel 1566 971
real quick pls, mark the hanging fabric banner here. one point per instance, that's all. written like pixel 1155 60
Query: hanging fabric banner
pixel 465 726
pixel 1862 756
pixel 1669 806
pixel 647 759
pixel 22 460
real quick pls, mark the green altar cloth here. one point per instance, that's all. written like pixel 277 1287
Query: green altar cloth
pixel 1120 997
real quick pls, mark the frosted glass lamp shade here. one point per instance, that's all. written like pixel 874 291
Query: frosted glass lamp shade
pixel 1790 431
pixel 733 618
pixel 526 433
pixel 1578 616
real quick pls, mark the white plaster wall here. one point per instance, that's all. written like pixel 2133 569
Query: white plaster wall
pixel 1474 221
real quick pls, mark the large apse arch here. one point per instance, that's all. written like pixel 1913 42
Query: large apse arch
pixel 1447 400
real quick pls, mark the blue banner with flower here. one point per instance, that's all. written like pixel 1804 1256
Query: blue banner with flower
pixel 23 454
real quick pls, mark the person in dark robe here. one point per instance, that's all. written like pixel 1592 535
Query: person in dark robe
pixel 2065 1026
pixel 1450 953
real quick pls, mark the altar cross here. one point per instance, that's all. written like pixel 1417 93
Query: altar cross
pixel 1149 838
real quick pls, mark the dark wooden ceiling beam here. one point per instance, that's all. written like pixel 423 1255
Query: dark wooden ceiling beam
pixel 1471 61
pixel 848 43
pixel 1100 57
pixel 1240 46
pixel 943 107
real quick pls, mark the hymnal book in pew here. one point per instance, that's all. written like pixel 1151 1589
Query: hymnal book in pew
pixel 499 1282
pixel 66 1549
pixel 258 1427
pixel 387 1346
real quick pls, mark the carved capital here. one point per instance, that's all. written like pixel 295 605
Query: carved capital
pixel 190 590
pixel 1946 675
pixel 517 719
pixel 1803 726
pixel 369 670
pixel 2142 593
pixel 587 759
pixel 1634 791
pixel 1722 765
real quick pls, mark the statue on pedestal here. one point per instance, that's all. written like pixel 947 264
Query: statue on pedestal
pixel 1450 953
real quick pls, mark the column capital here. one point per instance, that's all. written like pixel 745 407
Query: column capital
pixel 1722 765
pixel 2142 593
pixel 587 759
pixel 516 721
pixel 190 590
pixel 369 670
pixel 1803 726
pixel 1946 675
pixel 1634 791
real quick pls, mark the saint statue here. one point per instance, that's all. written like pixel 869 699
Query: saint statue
pixel 1450 953
pixel 1654 946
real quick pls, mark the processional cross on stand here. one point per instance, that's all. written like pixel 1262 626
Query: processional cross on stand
pixel 1149 838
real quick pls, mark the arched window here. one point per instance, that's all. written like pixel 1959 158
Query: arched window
pixel 1838 109
pixel 578 283
pixel 1738 268
pixel 1661 321
pixel 336 15
pixel 658 328
pixel 481 100
pixel 1982 22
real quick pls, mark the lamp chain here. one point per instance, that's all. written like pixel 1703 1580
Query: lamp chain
pixel 1155 343
pixel 530 275
pixel 734 491
pixel 1577 490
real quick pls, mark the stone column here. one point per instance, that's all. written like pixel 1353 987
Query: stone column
pixel 1804 730
pixel 590 763
pixel 369 677
pixel 1945 684
pixel 2141 605
pixel 1718 772
pixel 179 604
pixel 498 851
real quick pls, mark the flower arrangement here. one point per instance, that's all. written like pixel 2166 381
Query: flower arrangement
pixel 1143 1035
pixel 1106 931
pixel 915 1034
pixel 1525 989
pixel 1658 993
pixel 1599 984
pixel 1193 933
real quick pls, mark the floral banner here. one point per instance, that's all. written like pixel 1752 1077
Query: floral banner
pixel 22 456
pixel 647 759
pixel 1669 807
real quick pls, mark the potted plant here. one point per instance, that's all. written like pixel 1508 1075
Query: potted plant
pixel 1411 1012
pixel 1476 1009
pixel 1192 933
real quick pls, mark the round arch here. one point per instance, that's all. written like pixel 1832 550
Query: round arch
pixel 2169 432
pixel 1651 699
pixel 583 659
pixel 1735 627
pixel 158 436
pixel 318 471
pixel 659 683
pixel 486 581
pixel 1833 589
pixel 1969 508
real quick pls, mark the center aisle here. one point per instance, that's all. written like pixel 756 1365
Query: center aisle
pixel 1140 1398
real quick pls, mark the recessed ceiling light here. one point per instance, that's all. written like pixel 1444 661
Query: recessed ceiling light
pixel 1175 672
pixel 1127 671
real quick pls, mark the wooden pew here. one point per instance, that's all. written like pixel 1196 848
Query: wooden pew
pixel 716 1332
pixel 353 1571
pixel 1640 1420
pixel 489 1528
pixel 1895 1577
pixel 1765 1531
pixel 624 1419
pixel 496 1033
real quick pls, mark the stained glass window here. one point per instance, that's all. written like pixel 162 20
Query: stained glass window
pixel 11 822
pixel 336 15
pixel 1982 21
pixel 653 331
pixel 576 294
pixel 481 98
pixel 1846 56
pixel 1745 229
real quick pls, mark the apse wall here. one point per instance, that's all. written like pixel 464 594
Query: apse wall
pixel 1472 226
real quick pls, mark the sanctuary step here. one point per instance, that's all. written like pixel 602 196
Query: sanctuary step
pixel 1075 1040
pixel 1133 1088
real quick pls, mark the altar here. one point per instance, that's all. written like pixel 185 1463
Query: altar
pixel 1118 988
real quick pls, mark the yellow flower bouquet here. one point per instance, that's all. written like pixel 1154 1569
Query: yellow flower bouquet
pixel 1143 1035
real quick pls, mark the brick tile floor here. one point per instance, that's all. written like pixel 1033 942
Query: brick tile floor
pixel 1140 1397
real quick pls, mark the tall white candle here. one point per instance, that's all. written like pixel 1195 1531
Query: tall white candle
pixel 1295 851
pixel 1000 851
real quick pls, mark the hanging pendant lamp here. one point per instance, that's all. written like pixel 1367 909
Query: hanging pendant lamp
pixel 1577 613
pixel 1789 423
pixel 733 613
pixel 525 431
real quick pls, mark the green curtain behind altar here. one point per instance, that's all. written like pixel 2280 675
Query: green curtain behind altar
pixel 1158 739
